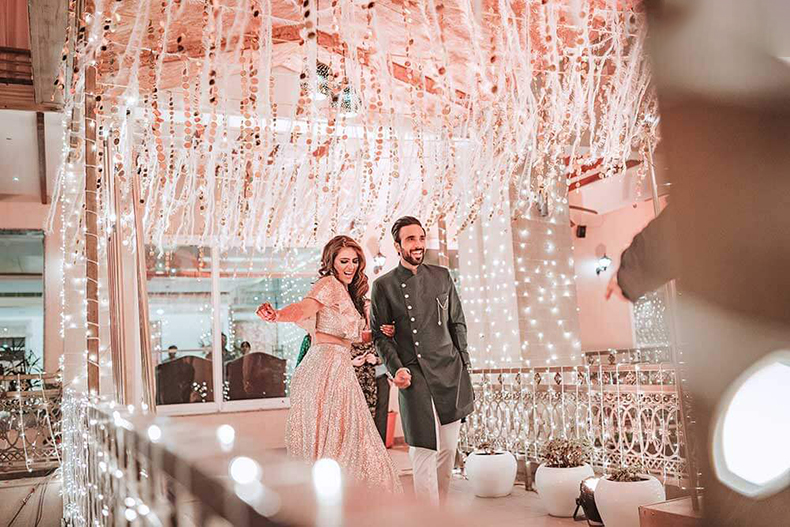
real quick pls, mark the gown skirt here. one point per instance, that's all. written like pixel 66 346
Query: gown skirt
pixel 329 418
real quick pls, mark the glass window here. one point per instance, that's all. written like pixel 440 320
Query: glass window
pixel 21 302
pixel 259 358
pixel 181 318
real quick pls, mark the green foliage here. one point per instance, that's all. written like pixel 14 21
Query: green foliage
pixel 630 473
pixel 566 453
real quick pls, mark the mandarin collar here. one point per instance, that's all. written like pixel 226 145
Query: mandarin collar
pixel 404 274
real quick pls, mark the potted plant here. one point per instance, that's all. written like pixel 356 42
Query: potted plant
pixel 620 493
pixel 564 464
pixel 491 472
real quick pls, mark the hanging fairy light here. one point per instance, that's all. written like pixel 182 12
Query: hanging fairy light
pixel 170 126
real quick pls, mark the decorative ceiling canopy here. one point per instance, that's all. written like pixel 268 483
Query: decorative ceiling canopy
pixel 274 123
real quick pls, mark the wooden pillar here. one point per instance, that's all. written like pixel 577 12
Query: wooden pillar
pixel 42 157
pixel 91 232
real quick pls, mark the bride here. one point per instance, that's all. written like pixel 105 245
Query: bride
pixel 329 416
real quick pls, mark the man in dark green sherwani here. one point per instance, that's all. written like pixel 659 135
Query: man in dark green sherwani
pixel 427 357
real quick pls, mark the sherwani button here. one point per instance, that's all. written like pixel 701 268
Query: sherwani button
pixel 407 296
pixel 414 331
pixel 416 343
pixel 412 319
pixel 409 307
pixel 419 356
pixel 403 285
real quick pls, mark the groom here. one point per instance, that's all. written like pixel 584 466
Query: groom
pixel 427 358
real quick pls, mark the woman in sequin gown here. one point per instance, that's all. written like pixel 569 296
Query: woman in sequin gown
pixel 329 416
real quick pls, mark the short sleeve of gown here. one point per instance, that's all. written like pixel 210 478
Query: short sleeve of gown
pixel 325 292
pixel 321 292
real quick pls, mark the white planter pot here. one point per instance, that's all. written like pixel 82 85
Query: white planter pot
pixel 618 502
pixel 491 475
pixel 558 488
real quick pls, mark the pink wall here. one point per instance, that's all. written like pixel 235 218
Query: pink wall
pixel 606 324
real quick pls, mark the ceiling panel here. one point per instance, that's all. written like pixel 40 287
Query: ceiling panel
pixel 19 177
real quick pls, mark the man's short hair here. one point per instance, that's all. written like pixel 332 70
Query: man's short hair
pixel 404 222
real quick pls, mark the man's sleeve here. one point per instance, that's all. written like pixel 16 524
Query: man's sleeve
pixel 380 313
pixel 651 259
pixel 457 323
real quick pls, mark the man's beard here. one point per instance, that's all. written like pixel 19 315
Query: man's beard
pixel 412 260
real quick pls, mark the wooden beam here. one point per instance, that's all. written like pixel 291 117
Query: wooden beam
pixel 15 66
pixel 42 157
pixel 91 231
pixel 17 97
pixel 17 90
pixel 48 21
pixel 19 100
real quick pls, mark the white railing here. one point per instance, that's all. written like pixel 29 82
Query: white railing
pixel 29 423
pixel 123 468
pixel 628 412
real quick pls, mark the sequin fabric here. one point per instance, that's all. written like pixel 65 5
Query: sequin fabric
pixel 329 417
pixel 338 316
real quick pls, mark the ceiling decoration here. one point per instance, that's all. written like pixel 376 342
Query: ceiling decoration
pixel 274 123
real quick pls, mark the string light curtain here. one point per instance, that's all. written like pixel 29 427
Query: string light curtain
pixel 269 123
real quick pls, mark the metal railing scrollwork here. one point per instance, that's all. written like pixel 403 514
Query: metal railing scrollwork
pixel 629 413
pixel 30 411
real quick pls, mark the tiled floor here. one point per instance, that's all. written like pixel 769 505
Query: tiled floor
pixel 521 508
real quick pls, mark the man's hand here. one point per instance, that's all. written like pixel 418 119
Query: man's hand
pixel 388 330
pixel 613 288
pixel 402 378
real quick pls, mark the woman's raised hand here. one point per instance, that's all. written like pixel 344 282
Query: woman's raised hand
pixel 266 312
pixel 388 330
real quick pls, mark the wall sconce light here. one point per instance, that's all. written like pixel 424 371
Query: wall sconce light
pixel 603 264
pixel 586 501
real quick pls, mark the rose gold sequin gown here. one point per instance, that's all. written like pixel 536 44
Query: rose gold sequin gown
pixel 329 417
